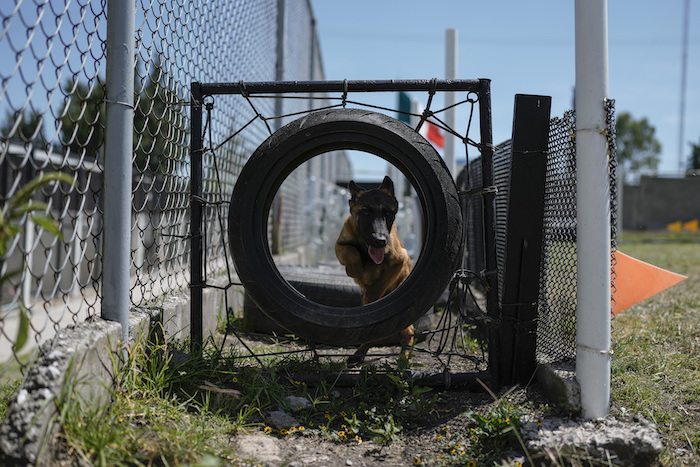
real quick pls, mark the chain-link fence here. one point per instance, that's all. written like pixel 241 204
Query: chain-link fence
pixel 53 120
pixel 556 324
pixel 556 320
pixel 52 110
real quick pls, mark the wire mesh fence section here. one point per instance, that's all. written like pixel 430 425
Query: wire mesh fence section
pixel 615 181
pixel 556 326
pixel 556 331
pixel 556 322
pixel 177 43
pixel 52 110
pixel 325 202
pixel 52 121
pixel 502 158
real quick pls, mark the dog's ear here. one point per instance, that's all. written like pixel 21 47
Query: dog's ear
pixel 387 186
pixel 355 191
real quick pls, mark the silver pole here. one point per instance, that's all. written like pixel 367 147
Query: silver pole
pixel 450 98
pixel 684 74
pixel 119 105
pixel 593 209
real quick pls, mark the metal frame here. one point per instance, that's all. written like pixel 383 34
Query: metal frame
pixel 199 91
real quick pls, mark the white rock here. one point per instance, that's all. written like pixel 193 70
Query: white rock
pixel 258 448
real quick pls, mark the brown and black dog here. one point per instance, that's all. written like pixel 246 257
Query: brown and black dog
pixel 369 248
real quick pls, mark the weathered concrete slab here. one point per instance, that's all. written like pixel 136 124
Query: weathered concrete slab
pixel 80 361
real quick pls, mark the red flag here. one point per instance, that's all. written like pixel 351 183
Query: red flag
pixel 435 135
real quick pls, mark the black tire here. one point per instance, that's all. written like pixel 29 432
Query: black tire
pixel 284 151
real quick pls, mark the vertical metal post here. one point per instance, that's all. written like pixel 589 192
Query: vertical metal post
pixel 450 98
pixel 523 238
pixel 276 240
pixel 119 133
pixel 684 75
pixel 489 195
pixel 592 209
pixel 279 65
pixel 196 275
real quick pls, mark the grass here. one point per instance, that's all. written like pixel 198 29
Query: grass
pixel 7 389
pixel 656 367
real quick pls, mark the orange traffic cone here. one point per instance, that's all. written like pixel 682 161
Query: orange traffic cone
pixel 637 281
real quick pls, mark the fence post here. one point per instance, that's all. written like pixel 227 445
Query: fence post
pixel 450 99
pixel 276 238
pixel 593 209
pixel 490 258
pixel 119 133
pixel 196 236
pixel 523 238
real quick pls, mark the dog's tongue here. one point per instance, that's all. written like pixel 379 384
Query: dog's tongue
pixel 377 254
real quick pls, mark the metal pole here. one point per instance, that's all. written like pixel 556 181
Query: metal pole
pixel 276 240
pixel 489 196
pixel 196 173
pixel 119 124
pixel 450 98
pixel 593 209
pixel 684 74
pixel 279 65
pixel 264 87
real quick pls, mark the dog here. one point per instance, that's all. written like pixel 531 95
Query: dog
pixel 369 248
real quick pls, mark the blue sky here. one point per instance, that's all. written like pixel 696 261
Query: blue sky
pixel 523 47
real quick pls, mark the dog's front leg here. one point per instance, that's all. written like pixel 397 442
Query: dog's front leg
pixel 407 340
pixel 349 256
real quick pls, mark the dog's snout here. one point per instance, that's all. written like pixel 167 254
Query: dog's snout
pixel 379 240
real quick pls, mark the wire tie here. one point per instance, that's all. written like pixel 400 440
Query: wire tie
pixel 607 352
pixel 126 104
pixel 345 92
pixel 244 90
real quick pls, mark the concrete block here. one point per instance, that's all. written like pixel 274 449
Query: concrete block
pixel 558 383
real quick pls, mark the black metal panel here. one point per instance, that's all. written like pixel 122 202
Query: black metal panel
pixel 196 274
pixel 523 238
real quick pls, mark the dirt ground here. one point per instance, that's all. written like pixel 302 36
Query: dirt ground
pixel 433 440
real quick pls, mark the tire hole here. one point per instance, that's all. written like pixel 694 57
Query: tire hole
pixel 308 212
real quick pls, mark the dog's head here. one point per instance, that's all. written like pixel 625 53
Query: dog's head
pixel 374 212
